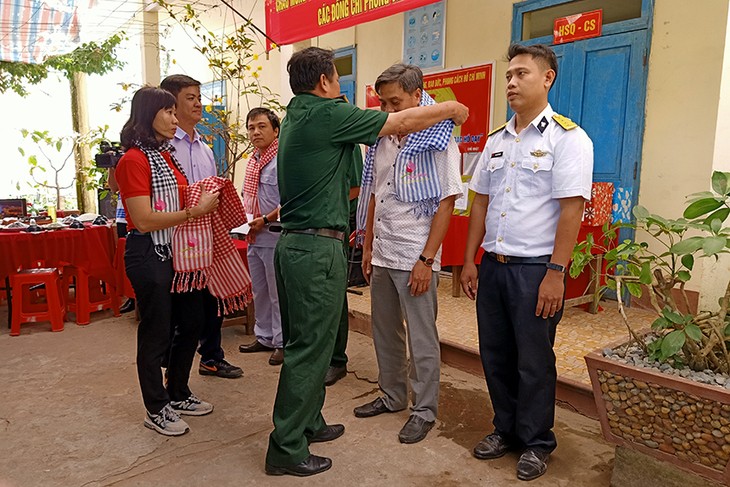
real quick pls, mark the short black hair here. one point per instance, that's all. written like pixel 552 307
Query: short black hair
pixel 307 66
pixel 264 111
pixel 539 52
pixel 408 76
pixel 146 102
pixel 176 82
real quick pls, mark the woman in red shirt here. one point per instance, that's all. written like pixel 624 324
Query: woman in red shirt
pixel 152 186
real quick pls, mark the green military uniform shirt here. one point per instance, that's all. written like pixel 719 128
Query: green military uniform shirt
pixel 314 190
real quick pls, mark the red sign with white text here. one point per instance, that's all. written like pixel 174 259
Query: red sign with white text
pixel 290 21
pixel 576 27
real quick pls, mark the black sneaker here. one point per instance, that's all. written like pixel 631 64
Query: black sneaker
pixel 220 368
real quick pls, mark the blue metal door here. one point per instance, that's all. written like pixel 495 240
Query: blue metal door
pixel 346 62
pixel 606 96
pixel 347 88
pixel 601 85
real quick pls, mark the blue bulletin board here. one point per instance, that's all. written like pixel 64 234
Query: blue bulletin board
pixel 424 36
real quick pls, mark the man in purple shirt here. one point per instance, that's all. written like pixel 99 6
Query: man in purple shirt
pixel 197 161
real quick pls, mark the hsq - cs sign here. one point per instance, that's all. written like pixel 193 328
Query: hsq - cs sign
pixel 577 27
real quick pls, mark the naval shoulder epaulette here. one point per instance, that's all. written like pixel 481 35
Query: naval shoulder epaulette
pixel 564 122
pixel 497 130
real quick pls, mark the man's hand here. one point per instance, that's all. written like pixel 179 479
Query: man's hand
pixel 420 278
pixel 462 112
pixel 469 280
pixel 550 294
pixel 257 224
pixel 367 258
pixel 254 227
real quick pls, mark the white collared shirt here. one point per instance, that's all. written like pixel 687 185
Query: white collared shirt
pixel 399 233
pixel 194 156
pixel 525 175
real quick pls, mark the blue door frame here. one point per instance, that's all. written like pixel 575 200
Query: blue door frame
pixel 348 85
pixel 601 85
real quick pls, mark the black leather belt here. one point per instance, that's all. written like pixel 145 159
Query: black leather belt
pixel 136 233
pixel 322 232
pixel 506 259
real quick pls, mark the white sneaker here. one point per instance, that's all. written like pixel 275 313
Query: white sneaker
pixel 192 406
pixel 167 422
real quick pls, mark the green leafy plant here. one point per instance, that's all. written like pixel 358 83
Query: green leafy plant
pixel 661 267
pixel 89 58
pixel 49 156
pixel 233 58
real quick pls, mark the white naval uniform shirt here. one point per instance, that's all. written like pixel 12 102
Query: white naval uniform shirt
pixel 399 233
pixel 525 175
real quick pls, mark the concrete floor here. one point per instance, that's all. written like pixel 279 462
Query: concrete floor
pixel 71 415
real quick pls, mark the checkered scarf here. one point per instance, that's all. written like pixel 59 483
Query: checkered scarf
pixel 416 175
pixel 165 196
pixel 203 253
pixel 253 174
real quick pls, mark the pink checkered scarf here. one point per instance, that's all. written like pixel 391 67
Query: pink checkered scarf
pixel 203 253
pixel 253 175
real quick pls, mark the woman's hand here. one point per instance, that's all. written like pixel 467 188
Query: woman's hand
pixel 208 203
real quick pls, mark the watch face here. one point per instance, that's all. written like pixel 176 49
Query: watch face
pixel 429 261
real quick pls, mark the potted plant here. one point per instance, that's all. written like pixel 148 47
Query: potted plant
pixel 666 393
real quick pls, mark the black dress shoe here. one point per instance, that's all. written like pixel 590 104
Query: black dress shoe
pixel 256 346
pixel 311 465
pixel 532 464
pixel 415 429
pixel 329 433
pixel 492 446
pixel 334 374
pixel 373 408
pixel 277 357
pixel 127 306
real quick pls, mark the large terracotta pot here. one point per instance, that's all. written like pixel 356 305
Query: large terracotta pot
pixel 664 416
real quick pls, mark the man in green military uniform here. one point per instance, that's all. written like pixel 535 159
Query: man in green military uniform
pixel 316 153
pixel 338 365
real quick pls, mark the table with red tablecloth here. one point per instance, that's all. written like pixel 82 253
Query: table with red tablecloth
pixel 91 249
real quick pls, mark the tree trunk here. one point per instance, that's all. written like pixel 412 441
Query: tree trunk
pixel 82 153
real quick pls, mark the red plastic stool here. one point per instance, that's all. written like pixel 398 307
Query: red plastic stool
pixel 90 295
pixel 26 310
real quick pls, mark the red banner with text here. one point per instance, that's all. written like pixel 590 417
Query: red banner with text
pixel 290 21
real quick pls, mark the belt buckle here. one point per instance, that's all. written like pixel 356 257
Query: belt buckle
pixel 502 259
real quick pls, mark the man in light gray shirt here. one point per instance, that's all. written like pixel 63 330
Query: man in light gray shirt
pixel 261 199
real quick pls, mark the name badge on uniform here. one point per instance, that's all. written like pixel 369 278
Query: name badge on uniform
pixel 538 153
pixel 497 154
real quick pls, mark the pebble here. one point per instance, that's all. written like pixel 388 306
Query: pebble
pixel 680 424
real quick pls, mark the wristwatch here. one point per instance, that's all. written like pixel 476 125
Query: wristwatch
pixel 428 262
pixel 266 220
pixel 555 267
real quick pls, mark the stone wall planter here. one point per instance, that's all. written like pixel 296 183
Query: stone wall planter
pixel 669 418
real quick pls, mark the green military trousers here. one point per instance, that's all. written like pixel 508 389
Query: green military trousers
pixel 311 277
pixel 339 356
